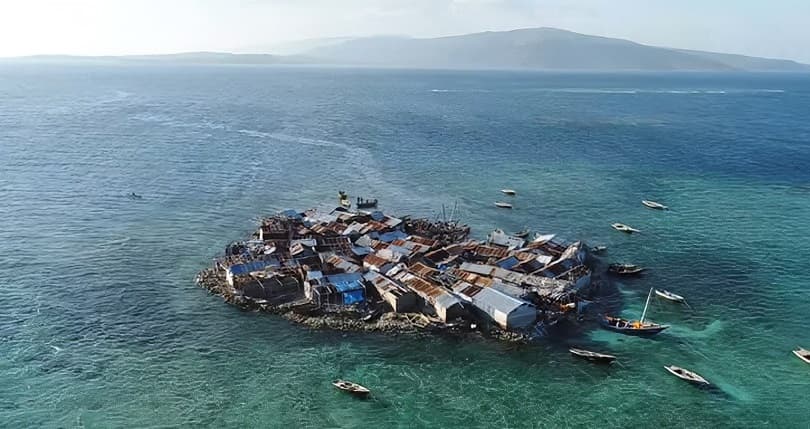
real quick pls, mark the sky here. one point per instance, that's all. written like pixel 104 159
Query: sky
pixel 775 28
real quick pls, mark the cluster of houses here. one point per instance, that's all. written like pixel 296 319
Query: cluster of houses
pixel 374 262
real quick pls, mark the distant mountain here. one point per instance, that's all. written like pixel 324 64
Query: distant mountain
pixel 531 49
pixel 182 58
pixel 534 48
pixel 295 47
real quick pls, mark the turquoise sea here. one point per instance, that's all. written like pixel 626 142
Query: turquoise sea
pixel 101 324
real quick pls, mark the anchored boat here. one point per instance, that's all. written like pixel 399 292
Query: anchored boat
pixel 670 296
pixel 509 191
pixel 624 228
pixel 653 205
pixel 503 205
pixel 351 388
pixel 638 328
pixel 686 375
pixel 592 356
pixel 625 269
pixel 598 249
pixel 366 204
pixel 802 354
pixel 522 234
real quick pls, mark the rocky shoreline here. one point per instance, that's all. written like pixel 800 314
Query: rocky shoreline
pixel 350 320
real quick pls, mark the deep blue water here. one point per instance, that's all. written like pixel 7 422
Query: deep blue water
pixel 102 326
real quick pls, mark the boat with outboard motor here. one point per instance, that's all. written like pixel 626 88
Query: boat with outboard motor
pixel 351 388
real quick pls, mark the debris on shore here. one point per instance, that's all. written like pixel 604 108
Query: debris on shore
pixel 368 271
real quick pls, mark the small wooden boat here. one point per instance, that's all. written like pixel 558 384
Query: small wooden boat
pixel 802 354
pixel 686 375
pixel 625 269
pixel 635 328
pixel 522 234
pixel 592 356
pixel 503 205
pixel 351 388
pixel 624 228
pixel 598 249
pixel 366 204
pixel 509 192
pixel 653 205
pixel 638 328
pixel 135 196
pixel 670 296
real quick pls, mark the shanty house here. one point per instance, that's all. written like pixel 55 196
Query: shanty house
pixel 400 298
pixel 446 305
pixel 336 289
pixel 508 312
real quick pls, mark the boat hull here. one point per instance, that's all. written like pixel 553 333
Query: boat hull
pixel 688 376
pixel 653 205
pixel 592 356
pixel 799 354
pixel 635 332
pixel 670 296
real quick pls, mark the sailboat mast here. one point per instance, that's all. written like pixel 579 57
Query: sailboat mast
pixel 644 313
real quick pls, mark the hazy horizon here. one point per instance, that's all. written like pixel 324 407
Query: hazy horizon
pixel 125 27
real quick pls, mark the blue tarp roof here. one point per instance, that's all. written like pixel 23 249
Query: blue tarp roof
pixel 292 214
pixel 312 275
pixel 250 267
pixel 393 235
pixel 377 215
pixel 361 251
pixel 508 263
pixel 346 281
pixel 353 297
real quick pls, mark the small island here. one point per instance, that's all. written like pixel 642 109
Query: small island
pixel 370 271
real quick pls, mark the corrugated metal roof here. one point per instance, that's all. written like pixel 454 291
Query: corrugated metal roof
pixel 422 240
pixel 485 270
pixel 392 221
pixel 340 263
pixel 383 284
pixel 373 225
pixel 436 295
pixel 489 251
pixel 423 270
pixel 490 299
pixel 374 260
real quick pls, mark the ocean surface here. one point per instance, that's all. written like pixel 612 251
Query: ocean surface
pixel 101 324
